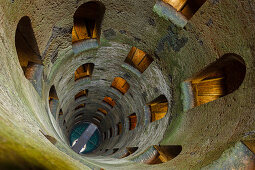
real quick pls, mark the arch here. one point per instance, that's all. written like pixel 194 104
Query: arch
pixel 26 46
pixel 132 121
pixel 186 7
pixel 130 151
pixel 60 112
pixel 78 116
pixel 80 106
pixel 109 101
pixel 53 93
pixel 158 108
pixel 102 111
pixel 84 71
pixel 120 84
pixel 162 154
pixel 115 150
pixel 87 24
pixel 82 93
pixel 138 59
pixel 177 11
pixel 53 101
pixel 219 79
pixel 97 119
pixel 28 53
pixel 119 128
pixel 111 132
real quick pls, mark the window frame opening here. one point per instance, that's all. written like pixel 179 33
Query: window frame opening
pixel 132 121
pixel 30 59
pixel 115 150
pixel 178 11
pixel 138 59
pixel 119 128
pixel 97 118
pixel 53 101
pixel 185 7
pixel 109 101
pixel 84 71
pixel 26 45
pixel 111 132
pixel 82 93
pixel 60 112
pixel 121 85
pixel 163 154
pixel 129 151
pixel 103 111
pixel 87 25
pixel 80 106
pixel 158 108
pixel 77 117
pixel 218 79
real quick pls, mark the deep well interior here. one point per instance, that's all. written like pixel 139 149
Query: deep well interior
pixel 168 84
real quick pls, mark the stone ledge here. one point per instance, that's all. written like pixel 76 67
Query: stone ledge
pixel 169 13
pixel 85 45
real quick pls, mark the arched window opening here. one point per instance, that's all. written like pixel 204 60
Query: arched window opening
pixel 26 46
pixel 84 71
pixel 132 121
pixel 87 22
pixel 164 154
pixel 138 59
pixel 109 101
pixel 110 130
pixel 53 101
pixel 102 111
pixel 158 108
pixel 217 80
pixel 119 127
pixel 187 7
pixel 53 93
pixel 130 151
pixel 115 150
pixel 80 106
pixel 83 93
pixel 120 84
pixel 78 116
pixel 97 119
pixel 60 112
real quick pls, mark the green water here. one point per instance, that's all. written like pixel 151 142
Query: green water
pixel 93 141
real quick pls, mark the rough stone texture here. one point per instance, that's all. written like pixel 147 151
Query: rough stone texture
pixel 236 157
pixel 219 27
pixel 169 13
